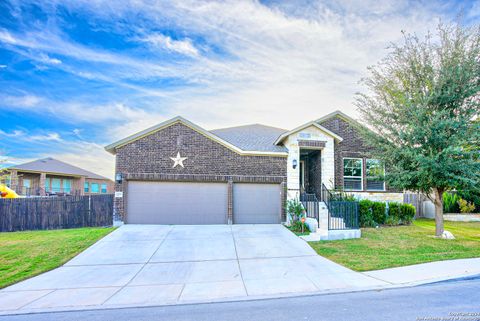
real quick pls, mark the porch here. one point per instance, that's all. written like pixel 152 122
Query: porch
pixel 330 210
pixel 31 184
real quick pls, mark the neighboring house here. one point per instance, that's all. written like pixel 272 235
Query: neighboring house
pixel 48 176
pixel 179 173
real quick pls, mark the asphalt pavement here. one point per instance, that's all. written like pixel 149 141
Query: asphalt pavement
pixel 453 300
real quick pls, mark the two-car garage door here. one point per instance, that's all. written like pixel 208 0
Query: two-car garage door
pixel 151 202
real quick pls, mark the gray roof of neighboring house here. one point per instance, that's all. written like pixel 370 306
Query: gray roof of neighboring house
pixel 51 165
pixel 254 137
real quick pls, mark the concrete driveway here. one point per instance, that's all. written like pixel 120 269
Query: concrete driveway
pixel 140 265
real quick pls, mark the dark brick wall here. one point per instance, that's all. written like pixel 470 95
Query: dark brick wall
pixel 351 146
pixel 148 158
pixel 313 172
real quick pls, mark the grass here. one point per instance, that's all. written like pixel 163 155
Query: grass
pixel 389 247
pixel 26 254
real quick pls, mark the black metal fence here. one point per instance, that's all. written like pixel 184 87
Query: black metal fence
pixel 343 215
pixel 44 213
pixel 311 205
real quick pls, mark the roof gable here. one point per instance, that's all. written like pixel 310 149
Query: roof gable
pixel 341 115
pixel 54 166
pixel 302 127
pixel 211 135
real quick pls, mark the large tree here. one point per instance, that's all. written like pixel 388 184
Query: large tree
pixel 422 103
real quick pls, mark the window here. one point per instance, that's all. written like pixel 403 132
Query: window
pixel 104 188
pixel 352 174
pixel 93 188
pixel 375 171
pixel 85 187
pixel 304 135
pixel 47 185
pixel 56 183
pixel 26 186
pixel 67 185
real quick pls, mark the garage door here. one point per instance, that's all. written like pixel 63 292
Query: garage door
pixel 256 203
pixel 176 203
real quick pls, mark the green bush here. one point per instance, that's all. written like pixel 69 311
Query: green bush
pixel 407 213
pixel 394 210
pixel 378 211
pixel 296 226
pixel 471 196
pixel 365 213
pixel 392 220
pixel 450 203
pixel 295 209
pixel 466 206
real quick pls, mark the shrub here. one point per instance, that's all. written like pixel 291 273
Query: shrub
pixel 297 227
pixel 394 210
pixel 392 220
pixel 471 196
pixel 378 212
pixel 365 213
pixel 407 213
pixel 450 203
pixel 295 209
pixel 465 206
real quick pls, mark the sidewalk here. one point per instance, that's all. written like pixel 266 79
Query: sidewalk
pixel 427 272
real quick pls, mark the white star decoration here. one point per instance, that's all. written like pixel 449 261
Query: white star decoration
pixel 178 160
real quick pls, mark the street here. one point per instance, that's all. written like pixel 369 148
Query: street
pixel 440 301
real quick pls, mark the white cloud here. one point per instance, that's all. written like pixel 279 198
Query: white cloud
pixel 159 40
pixel 26 136
pixel 6 37
pixel 48 137
pixel 3 66
pixel 25 101
pixel 48 60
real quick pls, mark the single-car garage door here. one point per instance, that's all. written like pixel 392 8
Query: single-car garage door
pixel 176 203
pixel 256 203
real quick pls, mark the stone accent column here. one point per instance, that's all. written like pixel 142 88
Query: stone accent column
pixel 230 202
pixel 283 198
pixel 119 201
pixel 43 178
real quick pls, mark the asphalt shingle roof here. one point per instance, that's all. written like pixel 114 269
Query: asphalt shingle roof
pixel 254 137
pixel 51 165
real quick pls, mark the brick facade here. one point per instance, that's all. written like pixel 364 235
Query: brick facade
pixel 351 146
pixel 148 158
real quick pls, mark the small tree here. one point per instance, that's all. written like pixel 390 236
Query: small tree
pixel 422 108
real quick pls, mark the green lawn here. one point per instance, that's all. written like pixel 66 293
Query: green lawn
pixel 388 247
pixel 26 254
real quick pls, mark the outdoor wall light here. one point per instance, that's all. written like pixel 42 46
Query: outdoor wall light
pixel 294 163
pixel 119 178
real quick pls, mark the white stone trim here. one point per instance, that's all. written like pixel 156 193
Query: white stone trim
pixel 304 126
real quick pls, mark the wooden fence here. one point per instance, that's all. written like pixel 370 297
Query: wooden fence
pixel 416 199
pixel 45 213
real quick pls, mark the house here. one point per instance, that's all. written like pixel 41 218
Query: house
pixel 179 173
pixel 49 176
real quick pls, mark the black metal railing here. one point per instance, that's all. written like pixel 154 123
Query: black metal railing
pixel 310 204
pixel 342 214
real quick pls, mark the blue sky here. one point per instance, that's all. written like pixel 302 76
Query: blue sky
pixel 78 75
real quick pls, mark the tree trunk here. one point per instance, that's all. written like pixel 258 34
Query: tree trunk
pixel 438 211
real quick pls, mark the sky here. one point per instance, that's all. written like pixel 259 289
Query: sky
pixel 78 75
